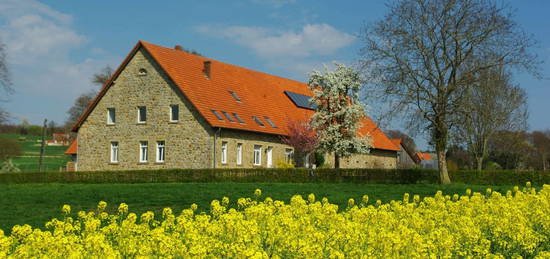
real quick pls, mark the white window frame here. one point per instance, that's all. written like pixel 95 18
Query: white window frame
pixel 111 116
pixel 269 157
pixel 161 151
pixel 114 152
pixel 289 155
pixel 239 153
pixel 139 114
pixel 143 150
pixel 257 155
pixel 224 152
pixel 172 112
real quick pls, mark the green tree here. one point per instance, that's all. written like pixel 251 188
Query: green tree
pixel 336 119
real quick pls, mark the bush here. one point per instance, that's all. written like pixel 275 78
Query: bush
pixel 296 175
pixel 9 148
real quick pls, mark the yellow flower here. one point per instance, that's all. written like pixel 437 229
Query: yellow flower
pixel 66 209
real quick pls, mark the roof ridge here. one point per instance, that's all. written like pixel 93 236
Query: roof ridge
pixel 223 62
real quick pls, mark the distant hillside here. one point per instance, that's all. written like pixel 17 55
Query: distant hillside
pixel 54 157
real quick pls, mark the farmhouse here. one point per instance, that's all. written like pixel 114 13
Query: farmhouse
pixel 167 108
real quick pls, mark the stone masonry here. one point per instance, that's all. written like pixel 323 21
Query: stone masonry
pixel 189 142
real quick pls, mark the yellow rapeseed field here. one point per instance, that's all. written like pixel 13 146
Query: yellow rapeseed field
pixel 482 225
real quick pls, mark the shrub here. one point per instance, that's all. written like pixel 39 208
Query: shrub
pixel 9 148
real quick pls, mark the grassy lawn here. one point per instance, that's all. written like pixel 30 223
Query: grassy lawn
pixel 28 161
pixel 34 204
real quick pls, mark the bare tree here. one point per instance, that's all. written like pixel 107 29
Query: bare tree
pixel 79 106
pixel 541 143
pixel 407 141
pixel 424 55
pixel 102 77
pixel 493 104
pixel 82 101
pixel 5 83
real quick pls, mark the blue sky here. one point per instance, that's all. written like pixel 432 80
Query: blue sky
pixel 54 47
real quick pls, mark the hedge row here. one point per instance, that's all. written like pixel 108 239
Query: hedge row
pixel 389 176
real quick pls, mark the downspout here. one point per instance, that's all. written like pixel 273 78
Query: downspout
pixel 215 140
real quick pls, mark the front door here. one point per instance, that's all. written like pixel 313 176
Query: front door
pixel 269 156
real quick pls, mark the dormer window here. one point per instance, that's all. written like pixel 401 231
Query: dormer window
pixel 217 114
pixel 235 96
pixel 257 120
pixel 238 118
pixel 142 72
pixel 270 122
pixel 228 117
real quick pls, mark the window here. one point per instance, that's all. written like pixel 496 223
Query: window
pixel 217 115
pixel 142 114
pixel 160 151
pixel 174 112
pixel 142 72
pixel 224 152
pixel 228 117
pixel 111 116
pixel 269 157
pixel 235 96
pixel 239 153
pixel 257 155
pixel 270 122
pixel 258 121
pixel 238 118
pixel 143 151
pixel 289 153
pixel 114 152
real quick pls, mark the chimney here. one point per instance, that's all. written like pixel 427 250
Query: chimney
pixel 206 68
pixel 178 47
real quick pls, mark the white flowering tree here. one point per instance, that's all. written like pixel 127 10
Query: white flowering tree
pixel 336 118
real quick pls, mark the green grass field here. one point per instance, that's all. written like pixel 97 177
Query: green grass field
pixel 28 161
pixel 34 204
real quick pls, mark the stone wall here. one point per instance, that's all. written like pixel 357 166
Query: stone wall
pixel 377 158
pixel 188 142
pixel 248 140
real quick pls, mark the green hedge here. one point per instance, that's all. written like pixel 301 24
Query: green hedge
pixel 389 176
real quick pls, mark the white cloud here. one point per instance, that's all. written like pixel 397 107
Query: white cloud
pixel 295 51
pixel 313 39
pixel 39 43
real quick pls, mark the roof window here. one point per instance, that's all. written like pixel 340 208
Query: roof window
pixel 257 120
pixel 300 100
pixel 238 118
pixel 235 96
pixel 217 114
pixel 270 122
pixel 228 117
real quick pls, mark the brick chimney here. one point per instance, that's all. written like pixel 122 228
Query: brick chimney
pixel 178 47
pixel 206 68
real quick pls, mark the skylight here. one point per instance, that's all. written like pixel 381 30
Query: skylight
pixel 228 117
pixel 300 100
pixel 270 122
pixel 238 118
pixel 235 96
pixel 257 120
pixel 217 115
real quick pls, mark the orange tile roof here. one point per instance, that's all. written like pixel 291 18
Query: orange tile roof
pixel 396 142
pixel 71 150
pixel 424 156
pixel 261 94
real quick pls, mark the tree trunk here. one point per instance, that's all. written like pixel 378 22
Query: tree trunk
pixel 543 162
pixel 479 161
pixel 440 138
pixel 336 160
